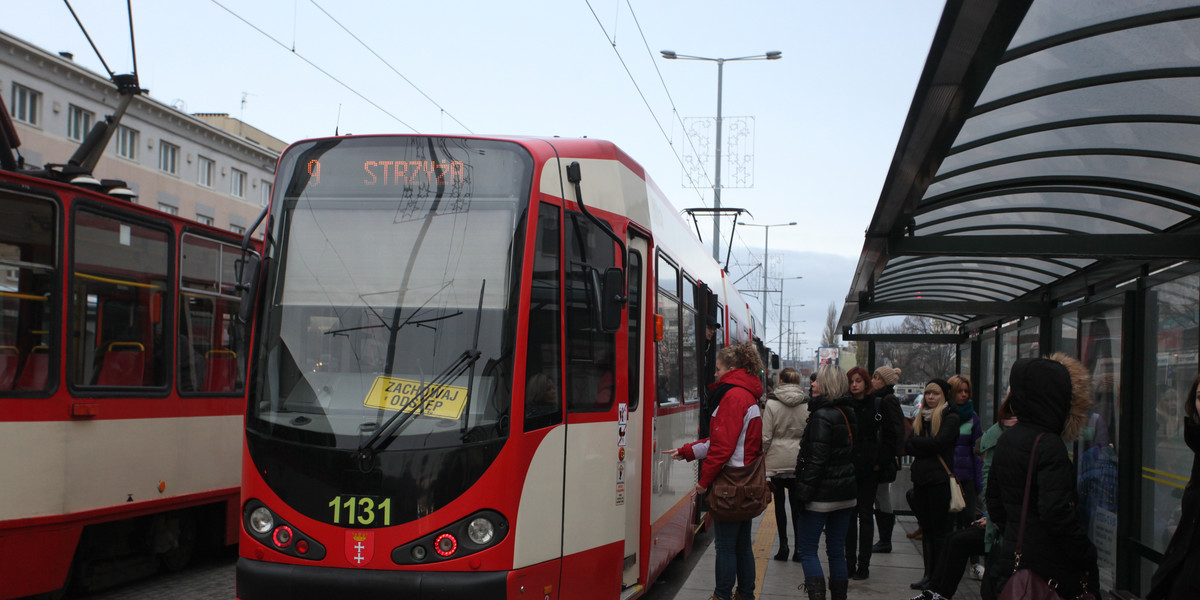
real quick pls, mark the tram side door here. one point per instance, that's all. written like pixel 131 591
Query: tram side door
pixel 632 432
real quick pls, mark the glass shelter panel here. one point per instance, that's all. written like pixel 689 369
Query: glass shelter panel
pixel 1171 342
pixel 989 397
pixel 1100 336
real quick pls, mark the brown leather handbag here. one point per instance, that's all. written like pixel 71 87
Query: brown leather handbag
pixel 740 493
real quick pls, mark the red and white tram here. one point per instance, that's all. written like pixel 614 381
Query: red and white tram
pixel 463 382
pixel 122 383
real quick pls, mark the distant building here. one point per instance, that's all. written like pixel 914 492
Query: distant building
pixel 207 167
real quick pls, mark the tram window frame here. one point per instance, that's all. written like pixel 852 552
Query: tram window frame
pixel 633 273
pixel 49 325
pixel 547 352
pixel 688 324
pixel 667 350
pixel 224 303
pixel 157 358
pixel 590 352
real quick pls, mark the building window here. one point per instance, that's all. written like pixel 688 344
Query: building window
pixel 207 170
pixel 237 183
pixel 167 208
pixel 26 104
pixel 238 229
pixel 264 192
pixel 204 219
pixel 79 122
pixel 168 157
pixel 127 140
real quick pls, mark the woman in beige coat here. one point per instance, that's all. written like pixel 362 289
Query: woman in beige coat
pixel 784 418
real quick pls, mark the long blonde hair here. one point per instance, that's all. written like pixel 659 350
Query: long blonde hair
pixel 831 380
pixel 936 422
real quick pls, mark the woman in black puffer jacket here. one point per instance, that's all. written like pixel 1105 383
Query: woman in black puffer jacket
pixel 1050 397
pixel 825 483
pixel 935 432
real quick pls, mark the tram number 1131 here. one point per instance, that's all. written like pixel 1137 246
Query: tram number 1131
pixel 361 511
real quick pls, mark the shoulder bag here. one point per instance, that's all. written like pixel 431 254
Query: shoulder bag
pixel 957 502
pixel 1024 584
pixel 740 493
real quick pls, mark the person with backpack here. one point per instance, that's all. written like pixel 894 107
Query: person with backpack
pixel 891 445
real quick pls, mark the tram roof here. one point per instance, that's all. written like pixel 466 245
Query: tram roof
pixel 1052 149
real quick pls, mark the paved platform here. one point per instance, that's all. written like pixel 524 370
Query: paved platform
pixel 891 573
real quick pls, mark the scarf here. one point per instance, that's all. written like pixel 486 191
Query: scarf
pixel 965 411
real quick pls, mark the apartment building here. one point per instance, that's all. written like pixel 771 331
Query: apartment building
pixel 208 167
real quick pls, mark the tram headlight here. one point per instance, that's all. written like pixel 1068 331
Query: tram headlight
pixel 262 521
pixel 481 531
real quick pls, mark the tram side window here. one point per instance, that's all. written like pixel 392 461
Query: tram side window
pixel 210 357
pixel 670 388
pixel 634 277
pixel 119 289
pixel 687 355
pixel 28 257
pixel 543 403
pixel 590 351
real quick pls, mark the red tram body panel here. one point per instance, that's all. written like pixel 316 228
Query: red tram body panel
pixel 122 387
pixel 464 384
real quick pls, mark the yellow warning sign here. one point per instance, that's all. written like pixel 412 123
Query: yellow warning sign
pixel 390 393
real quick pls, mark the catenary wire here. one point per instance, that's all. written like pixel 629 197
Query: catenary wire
pixel 640 93
pixel 389 65
pixel 314 65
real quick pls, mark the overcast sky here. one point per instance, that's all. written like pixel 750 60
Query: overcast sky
pixel 826 116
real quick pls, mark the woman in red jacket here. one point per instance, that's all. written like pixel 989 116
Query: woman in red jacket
pixel 735 439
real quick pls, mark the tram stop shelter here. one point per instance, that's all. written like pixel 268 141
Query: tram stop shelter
pixel 1045 196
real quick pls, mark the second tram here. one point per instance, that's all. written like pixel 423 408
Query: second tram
pixel 122 383
pixel 470 353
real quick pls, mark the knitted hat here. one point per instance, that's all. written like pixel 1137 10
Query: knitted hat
pixel 941 383
pixel 889 375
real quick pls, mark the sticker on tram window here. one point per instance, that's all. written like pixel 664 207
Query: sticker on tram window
pixel 442 402
pixel 361 511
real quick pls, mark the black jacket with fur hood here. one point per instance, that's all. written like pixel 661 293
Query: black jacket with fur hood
pixel 1049 396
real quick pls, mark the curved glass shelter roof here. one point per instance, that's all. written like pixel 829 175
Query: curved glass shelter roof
pixel 1052 146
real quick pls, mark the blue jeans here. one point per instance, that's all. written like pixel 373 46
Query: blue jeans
pixel 834 524
pixel 735 559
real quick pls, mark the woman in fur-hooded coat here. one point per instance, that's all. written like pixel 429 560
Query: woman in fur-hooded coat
pixel 1050 397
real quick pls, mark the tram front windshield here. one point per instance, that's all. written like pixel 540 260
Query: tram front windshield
pixel 391 285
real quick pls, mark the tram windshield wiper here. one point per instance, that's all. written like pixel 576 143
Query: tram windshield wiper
pixel 397 422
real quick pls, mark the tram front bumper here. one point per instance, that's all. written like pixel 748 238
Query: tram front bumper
pixel 258 580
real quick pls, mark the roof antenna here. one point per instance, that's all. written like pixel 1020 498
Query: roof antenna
pixel 339 121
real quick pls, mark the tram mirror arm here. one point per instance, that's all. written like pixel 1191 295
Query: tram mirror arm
pixel 247 269
pixel 612 291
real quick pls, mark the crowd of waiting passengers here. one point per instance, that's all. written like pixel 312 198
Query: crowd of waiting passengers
pixel 1003 498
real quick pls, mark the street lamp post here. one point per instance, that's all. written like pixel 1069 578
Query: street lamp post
pixel 766 261
pixel 672 55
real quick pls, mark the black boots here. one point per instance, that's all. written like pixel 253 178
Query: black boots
pixel 783 551
pixel 862 572
pixel 838 589
pixel 815 586
pixel 885 521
